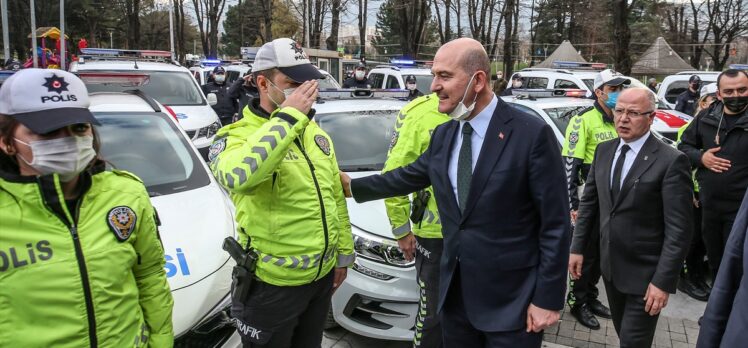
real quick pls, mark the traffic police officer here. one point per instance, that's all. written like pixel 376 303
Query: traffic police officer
pixel 81 262
pixel 585 131
pixel 226 106
pixel 412 87
pixel 281 172
pixel 413 129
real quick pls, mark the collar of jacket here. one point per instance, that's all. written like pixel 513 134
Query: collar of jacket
pixel 606 117
pixel 8 175
pixel 713 114
pixel 255 108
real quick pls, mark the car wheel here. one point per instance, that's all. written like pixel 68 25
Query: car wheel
pixel 330 322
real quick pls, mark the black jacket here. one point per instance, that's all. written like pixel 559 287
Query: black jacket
pixel 226 106
pixel 646 231
pixel 242 94
pixel 352 82
pixel 686 102
pixel 511 240
pixel 720 191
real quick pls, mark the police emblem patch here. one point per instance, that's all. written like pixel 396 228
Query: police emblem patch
pixel 393 141
pixel 216 149
pixel 323 143
pixel 574 137
pixel 121 221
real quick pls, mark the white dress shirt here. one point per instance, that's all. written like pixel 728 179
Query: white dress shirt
pixel 480 126
pixel 635 147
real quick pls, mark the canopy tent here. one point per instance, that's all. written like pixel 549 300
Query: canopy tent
pixel 660 59
pixel 564 52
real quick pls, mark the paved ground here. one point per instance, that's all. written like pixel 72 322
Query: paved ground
pixel 677 328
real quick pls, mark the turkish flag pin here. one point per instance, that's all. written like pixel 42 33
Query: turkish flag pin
pixel 501 135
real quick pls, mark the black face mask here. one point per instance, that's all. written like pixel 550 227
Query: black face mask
pixel 735 104
pixel 695 86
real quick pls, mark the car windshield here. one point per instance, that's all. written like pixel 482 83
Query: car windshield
pixel 561 115
pixel 151 147
pixel 590 83
pixel 327 82
pixel 361 138
pixel 423 83
pixel 168 87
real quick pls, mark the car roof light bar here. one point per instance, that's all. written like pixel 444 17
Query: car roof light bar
pixel 124 79
pixel 561 64
pixel 547 93
pixel 330 94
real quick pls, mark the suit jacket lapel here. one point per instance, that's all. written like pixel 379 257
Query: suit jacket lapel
pixel 493 146
pixel 605 165
pixel 451 132
pixel 643 161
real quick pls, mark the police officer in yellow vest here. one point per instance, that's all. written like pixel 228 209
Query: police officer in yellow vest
pixel 281 172
pixel 584 132
pixel 413 129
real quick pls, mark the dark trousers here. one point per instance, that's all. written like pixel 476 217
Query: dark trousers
pixel 226 119
pixel 635 327
pixel 697 250
pixel 715 229
pixel 428 328
pixel 585 288
pixel 284 316
pixel 459 332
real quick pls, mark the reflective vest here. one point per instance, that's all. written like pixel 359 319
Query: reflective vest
pixel 90 276
pixel 585 131
pixel 413 129
pixel 281 172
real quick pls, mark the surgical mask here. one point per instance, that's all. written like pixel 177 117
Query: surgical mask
pixel 360 74
pixel 517 84
pixel 411 86
pixel 66 156
pixel 735 104
pixel 461 111
pixel 286 93
pixel 612 99
pixel 220 78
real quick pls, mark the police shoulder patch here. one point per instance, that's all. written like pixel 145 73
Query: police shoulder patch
pixel 573 137
pixel 215 149
pixel 121 221
pixel 323 143
pixel 393 141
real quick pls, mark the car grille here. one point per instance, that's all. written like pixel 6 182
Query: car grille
pixel 362 308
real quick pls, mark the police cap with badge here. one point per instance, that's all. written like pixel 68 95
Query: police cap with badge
pixel 287 56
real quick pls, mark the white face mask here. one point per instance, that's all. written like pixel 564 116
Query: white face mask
pixel 517 84
pixel 66 156
pixel 220 78
pixel 360 74
pixel 411 86
pixel 286 93
pixel 461 111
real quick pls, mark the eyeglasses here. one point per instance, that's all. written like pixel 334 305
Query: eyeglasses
pixel 77 128
pixel 632 114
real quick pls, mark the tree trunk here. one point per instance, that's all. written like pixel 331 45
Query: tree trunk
pixel 362 13
pixel 508 31
pixel 622 36
pixel 332 40
pixel 447 24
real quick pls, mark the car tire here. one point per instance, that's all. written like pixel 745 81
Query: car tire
pixel 330 322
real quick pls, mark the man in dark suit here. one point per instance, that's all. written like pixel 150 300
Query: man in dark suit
pixel 640 189
pixel 500 189
pixel 724 323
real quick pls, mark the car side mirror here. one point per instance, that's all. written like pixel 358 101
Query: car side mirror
pixel 212 99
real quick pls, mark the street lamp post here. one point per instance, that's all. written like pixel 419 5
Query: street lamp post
pixel 171 30
pixel 34 54
pixel 62 35
pixel 6 40
pixel 111 42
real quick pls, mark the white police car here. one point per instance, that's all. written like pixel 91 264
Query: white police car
pixel 672 86
pixel 557 107
pixel 392 76
pixel 107 70
pixel 139 135
pixel 379 298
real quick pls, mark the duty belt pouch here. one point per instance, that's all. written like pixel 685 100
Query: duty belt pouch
pixel 420 201
pixel 241 284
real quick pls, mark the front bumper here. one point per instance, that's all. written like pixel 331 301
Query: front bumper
pixel 378 301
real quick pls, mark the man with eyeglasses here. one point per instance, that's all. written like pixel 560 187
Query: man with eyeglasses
pixel 585 131
pixel 639 191
pixel 716 142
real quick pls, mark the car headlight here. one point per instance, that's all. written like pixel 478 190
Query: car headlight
pixel 382 251
pixel 210 130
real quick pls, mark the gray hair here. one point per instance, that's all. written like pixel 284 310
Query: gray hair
pixel 476 59
pixel 651 97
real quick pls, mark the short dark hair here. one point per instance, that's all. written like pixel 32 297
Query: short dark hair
pixel 731 73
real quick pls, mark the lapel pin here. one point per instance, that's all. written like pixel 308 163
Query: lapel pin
pixel 501 135
pixel 645 157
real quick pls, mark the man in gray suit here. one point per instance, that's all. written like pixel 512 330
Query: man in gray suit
pixel 640 190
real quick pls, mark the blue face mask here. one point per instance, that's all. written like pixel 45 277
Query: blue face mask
pixel 612 99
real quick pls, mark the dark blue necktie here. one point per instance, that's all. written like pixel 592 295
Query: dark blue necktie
pixel 464 166
pixel 617 170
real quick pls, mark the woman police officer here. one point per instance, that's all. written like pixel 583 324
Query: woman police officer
pixel 81 263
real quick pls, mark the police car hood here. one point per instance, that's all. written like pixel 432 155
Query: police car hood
pixel 193 117
pixel 194 224
pixel 370 216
